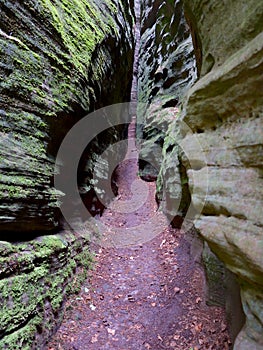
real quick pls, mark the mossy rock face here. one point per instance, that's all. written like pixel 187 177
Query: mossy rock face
pixel 215 276
pixel 36 277
pixel 166 71
pixel 59 61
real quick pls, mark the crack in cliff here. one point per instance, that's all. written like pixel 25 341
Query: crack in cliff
pixel 22 323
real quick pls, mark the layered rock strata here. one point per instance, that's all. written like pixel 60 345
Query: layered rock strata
pixel 60 60
pixel 224 111
pixel 167 69
pixel 207 154
pixel 36 278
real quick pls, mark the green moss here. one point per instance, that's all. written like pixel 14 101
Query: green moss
pixel 46 70
pixel 6 248
pixel 23 338
pixel 17 291
pixel 7 191
pixel 44 270
pixel 81 25
pixel 46 78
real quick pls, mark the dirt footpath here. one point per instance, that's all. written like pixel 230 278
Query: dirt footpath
pixel 145 296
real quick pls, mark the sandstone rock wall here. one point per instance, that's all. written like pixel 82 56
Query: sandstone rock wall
pixel 222 114
pixel 166 70
pixel 35 279
pixel 62 59
pixel 59 61
pixel 224 110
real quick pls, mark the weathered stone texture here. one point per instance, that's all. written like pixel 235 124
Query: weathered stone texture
pixel 166 70
pixel 224 110
pixel 35 278
pixel 59 61
pixel 222 113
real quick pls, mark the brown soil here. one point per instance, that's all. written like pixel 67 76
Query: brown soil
pixel 149 295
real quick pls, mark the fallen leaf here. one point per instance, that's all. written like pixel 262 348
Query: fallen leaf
pixel 198 327
pixel 111 331
pixel 138 326
pixel 163 242
pixel 94 339
pixel 92 307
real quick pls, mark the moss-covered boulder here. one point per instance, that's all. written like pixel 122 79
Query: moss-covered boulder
pixel 35 279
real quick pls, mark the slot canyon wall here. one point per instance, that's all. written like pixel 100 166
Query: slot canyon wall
pixel 200 65
pixel 59 61
pixel 217 104
pixel 167 69
pixel 224 110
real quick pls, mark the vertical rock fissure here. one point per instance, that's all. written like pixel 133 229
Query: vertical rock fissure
pixel 137 36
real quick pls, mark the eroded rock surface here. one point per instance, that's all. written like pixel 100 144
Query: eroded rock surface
pixel 59 61
pixel 36 277
pixel 224 110
pixel 167 69
pixel 222 113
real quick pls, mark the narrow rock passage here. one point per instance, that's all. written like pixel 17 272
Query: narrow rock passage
pixel 146 291
pixel 149 296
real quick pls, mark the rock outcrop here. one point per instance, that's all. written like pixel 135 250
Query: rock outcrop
pixel 166 70
pixel 210 149
pixel 200 136
pixel 59 61
pixel 35 279
pixel 224 111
